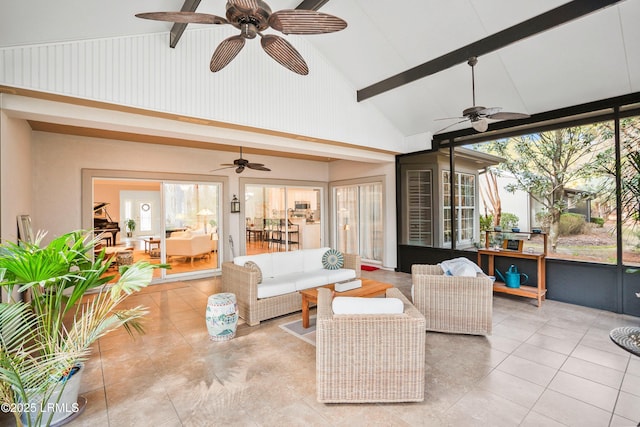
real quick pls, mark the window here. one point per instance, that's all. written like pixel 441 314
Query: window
pixel 419 212
pixel 465 207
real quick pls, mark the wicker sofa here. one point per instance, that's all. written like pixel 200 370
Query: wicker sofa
pixel 285 273
pixel 454 304
pixel 369 357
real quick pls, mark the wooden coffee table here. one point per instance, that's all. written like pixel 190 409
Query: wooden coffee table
pixel 370 288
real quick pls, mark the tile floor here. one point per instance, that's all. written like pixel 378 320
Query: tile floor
pixel 553 366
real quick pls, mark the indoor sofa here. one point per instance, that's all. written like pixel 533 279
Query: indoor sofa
pixel 270 287
pixel 189 245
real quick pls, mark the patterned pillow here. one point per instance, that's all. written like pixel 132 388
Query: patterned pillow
pixel 332 260
pixel 254 267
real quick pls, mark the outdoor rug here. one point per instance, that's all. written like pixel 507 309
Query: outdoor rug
pixel 295 328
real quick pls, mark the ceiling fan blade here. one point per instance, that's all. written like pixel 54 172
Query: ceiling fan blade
pixel 451 125
pixel 245 4
pixel 223 167
pixel 254 165
pixel 488 111
pixel 225 52
pixel 258 167
pixel 508 116
pixel 285 54
pixel 449 118
pixel 299 21
pixel 183 17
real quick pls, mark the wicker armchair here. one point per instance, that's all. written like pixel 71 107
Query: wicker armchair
pixel 369 358
pixel 454 304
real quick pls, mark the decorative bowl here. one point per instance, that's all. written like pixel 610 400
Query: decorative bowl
pixel 497 228
pixel 515 230
pixel 536 230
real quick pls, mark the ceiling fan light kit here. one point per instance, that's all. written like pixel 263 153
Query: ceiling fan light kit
pixel 479 116
pixel 252 17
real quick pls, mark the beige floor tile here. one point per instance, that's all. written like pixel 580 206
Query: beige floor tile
pixel 601 357
pixel 585 390
pixel 628 406
pixel 527 370
pixel 540 355
pixel 512 388
pixel 570 411
pixel 594 372
pixel 541 367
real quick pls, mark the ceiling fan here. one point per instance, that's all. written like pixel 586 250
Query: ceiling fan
pixel 240 164
pixel 252 17
pixel 479 115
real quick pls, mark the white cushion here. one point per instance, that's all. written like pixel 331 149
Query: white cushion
pixel 263 260
pixel 271 287
pixel 460 267
pixel 311 279
pixel 333 276
pixel 313 258
pixel 287 262
pixel 356 305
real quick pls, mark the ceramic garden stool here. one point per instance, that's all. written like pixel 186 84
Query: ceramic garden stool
pixel 222 316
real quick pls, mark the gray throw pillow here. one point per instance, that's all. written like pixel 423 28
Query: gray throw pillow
pixel 255 267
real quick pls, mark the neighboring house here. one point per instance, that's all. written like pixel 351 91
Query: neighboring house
pixel 525 207
pixel 427 216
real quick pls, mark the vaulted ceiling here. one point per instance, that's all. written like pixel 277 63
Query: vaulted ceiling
pixel 592 57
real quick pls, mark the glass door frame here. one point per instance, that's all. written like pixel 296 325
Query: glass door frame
pixel 335 229
pixel 285 184
pixel 88 176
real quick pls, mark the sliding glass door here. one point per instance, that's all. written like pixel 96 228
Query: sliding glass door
pixel 282 218
pixel 358 219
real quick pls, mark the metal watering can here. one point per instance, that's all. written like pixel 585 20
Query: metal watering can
pixel 512 278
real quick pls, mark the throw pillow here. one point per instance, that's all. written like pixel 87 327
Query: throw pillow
pixel 332 260
pixel 254 267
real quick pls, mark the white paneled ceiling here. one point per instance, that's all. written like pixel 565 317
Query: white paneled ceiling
pixel 591 58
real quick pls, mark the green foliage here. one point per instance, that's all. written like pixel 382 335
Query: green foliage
pixel 131 224
pixel 36 348
pixel 571 224
pixel 508 220
pixel 486 222
pixel 597 221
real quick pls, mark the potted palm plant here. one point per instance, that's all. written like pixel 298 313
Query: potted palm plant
pixel 131 226
pixel 71 302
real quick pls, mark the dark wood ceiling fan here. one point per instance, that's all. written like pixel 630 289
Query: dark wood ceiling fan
pixel 252 17
pixel 240 164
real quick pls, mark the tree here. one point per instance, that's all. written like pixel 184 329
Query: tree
pixel 545 164
pixel 491 196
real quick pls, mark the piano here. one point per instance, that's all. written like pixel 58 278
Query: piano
pixel 102 223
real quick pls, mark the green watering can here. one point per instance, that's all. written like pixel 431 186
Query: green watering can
pixel 513 278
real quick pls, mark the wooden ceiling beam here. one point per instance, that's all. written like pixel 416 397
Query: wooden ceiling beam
pixel 178 29
pixel 312 4
pixel 553 18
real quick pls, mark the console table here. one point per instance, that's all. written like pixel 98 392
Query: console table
pixel 537 292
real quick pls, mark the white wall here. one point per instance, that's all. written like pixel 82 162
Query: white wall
pixel 253 90
pixel 58 161
pixel 345 170
pixel 16 185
